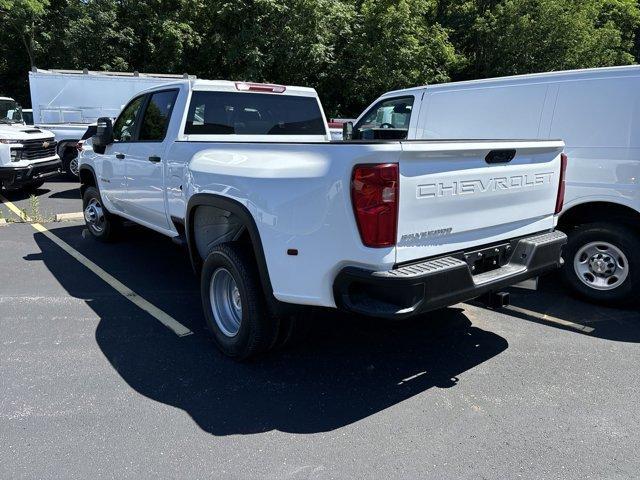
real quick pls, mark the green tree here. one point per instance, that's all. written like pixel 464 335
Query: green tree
pixel 86 34
pixel 524 36
pixel 19 44
pixel 349 50
pixel 20 18
pixel 280 41
pixel 396 44
pixel 162 33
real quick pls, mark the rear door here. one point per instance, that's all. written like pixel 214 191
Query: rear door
pixel 461 195
pixel 145 198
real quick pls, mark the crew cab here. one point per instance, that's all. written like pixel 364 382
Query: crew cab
pixel 276 216
pixel 27 154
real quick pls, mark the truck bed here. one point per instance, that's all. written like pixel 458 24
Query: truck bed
pixel 299 193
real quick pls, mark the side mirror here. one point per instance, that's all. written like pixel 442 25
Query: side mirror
pixel 347 131
pixel 104 134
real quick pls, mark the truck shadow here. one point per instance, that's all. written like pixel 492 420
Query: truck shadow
pixel 344 372
pixel 18 195
pixel 553 306
pixel 72 193
pixel 348 369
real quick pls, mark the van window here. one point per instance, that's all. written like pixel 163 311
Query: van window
pixel 503 112
pixel 230 113
pixel 156 116
pixel 393 113
pixel 597 113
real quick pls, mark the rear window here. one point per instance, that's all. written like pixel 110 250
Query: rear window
pixel 229 113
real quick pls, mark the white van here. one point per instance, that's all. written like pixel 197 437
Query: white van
pixel 597 114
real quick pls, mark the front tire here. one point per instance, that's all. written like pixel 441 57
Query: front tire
pixel 102 225
pixel 233 301
pixel 602 263
pixel 71 168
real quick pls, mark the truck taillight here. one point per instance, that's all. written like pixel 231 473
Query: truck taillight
pixel 561 185
pixel 374 194
pixel 260 87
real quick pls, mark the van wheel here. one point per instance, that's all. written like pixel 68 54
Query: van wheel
pixel 234 305
pixel 602 264
pixel 103 225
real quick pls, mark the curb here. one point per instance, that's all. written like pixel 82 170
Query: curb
pixel 61 217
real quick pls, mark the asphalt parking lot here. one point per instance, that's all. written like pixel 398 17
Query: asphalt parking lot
pixel 95 387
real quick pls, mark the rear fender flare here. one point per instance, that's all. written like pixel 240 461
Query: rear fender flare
pixel 241 212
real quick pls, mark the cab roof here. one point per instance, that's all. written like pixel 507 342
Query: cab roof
pixel 242 86
pixel 238 86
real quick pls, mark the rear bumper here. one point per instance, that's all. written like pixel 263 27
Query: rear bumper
pixel 443 281
pixel 17 176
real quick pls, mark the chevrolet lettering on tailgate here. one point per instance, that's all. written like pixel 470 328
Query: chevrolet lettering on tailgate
pixel 478 186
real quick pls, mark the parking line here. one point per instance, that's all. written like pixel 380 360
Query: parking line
pixel 551 319
pixel 164 318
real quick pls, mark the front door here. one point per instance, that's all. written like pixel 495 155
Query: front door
pixel 145 198
pixel 111 168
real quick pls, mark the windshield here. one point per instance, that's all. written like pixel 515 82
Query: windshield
pixel 391 114
pixel 10 112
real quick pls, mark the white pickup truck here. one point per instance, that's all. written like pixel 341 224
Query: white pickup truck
pixel 27 154
pixel 276 216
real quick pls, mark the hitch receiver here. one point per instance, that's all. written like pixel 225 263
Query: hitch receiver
pixel 496 300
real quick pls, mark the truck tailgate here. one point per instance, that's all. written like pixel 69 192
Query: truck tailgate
pixel 458 196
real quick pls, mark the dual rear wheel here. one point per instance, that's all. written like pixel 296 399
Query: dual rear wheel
pixel 236 310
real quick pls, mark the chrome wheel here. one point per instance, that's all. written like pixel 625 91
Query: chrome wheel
pixel 226 302
pixel 601 265
pixel 94 216
pixel 73 167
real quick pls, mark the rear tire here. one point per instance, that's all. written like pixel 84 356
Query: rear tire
pixel 602 263
pixel 234 304
pixel 102 225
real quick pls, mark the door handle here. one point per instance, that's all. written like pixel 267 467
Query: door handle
pixel 154 158
pixel 120 156
pixel 500 156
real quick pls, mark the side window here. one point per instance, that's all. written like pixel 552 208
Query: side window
pixel 156 116
pixel 125 126
pixel 394 113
